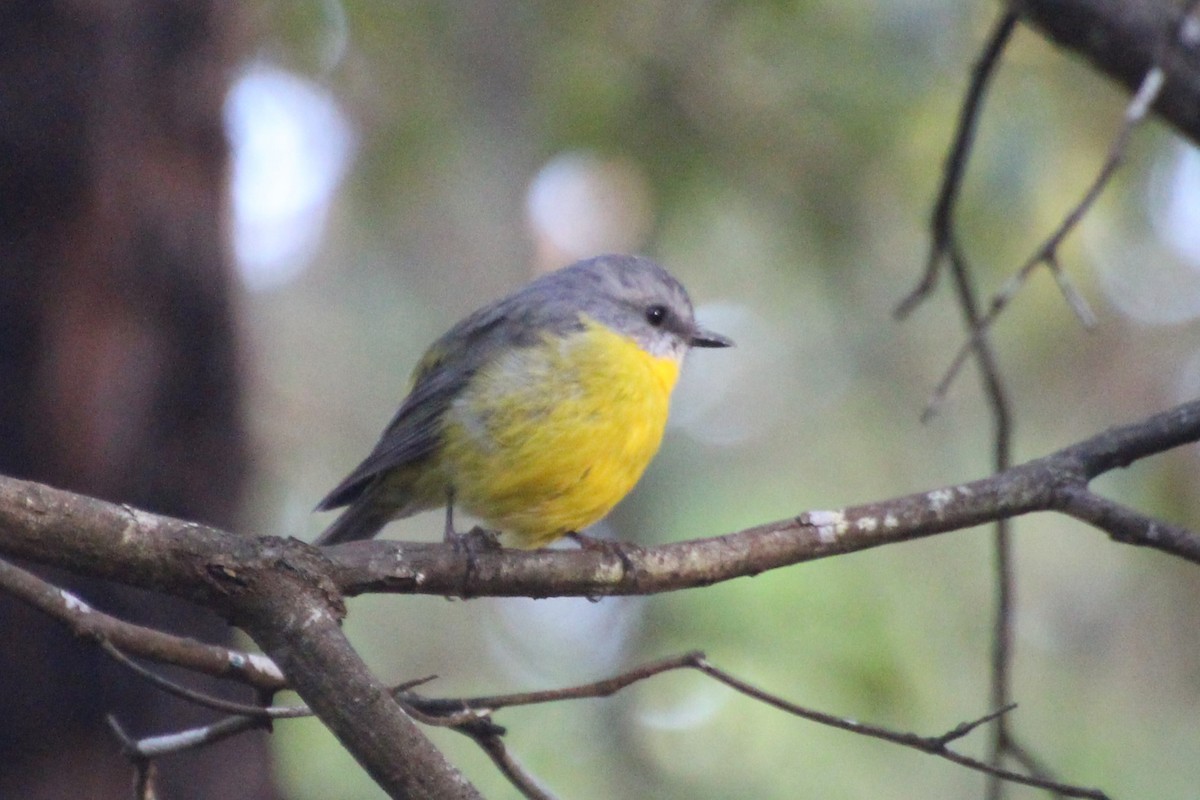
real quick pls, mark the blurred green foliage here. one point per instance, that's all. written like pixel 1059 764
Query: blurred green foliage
pixel 792 150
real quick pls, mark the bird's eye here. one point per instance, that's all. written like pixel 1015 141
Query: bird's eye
pixel 656 315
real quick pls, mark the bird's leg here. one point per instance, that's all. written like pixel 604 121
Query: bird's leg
pixel 460 543
pixel 485 539
pixel 449 535
pixel 467 544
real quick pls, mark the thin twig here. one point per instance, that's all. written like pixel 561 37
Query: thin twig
pixel 469 716
pixel 473 719
pixel 152 747
pixel 944 243
pixel 964 728
pixel 945 246
pixel 1122 523
pixel 1001 656
pixel 1032 764
pixel 933 745
pixel 525 783
pixel 1047 252
pixel 1083 312
pixel 942 222
pixel 600 688
pixel 145 773
pixel 1005 576
pixel 201 698
pixel 89 623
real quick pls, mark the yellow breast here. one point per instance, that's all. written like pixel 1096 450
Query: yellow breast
pixel 547 439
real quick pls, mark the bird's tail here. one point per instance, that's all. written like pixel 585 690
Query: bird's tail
pixel 361 520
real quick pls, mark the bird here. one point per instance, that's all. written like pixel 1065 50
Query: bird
pixel 537 413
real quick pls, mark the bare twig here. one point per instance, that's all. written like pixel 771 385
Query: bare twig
pixel 1046 253
pixel 1083 312
pixel 145 774
pixel 1001 657
pixel 525 783
pixel 153 747
pixel 261 581
pixel 469 715
pixel 1123 524
pixel 963 728
pixel 86 622
pixel 261 713
pixel 95 538
pixel 1005 575
pixel 942 222
pixel 1032 764
pixel 1123 41
pixel 945 246
pixel 462 720
pixel 933 745
pixel 286 603
pixel 601 688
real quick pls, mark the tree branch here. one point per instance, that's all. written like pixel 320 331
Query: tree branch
pixel 696 660
pixel 144 751
pixel 287 594
pixel 226 572
pixel 262 713
pixel 1150 87
pixel 89 623
pixel 288 611
pixel 276 591
pixel 942 228
pixel 1123 40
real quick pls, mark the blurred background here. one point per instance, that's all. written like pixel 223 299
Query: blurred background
pixel 394 166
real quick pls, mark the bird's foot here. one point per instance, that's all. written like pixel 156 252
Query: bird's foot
pixel 474 541
pixel 611 547
pixel 595 543
pixel 470 545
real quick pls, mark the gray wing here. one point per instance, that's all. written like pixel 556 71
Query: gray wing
pixel 415 431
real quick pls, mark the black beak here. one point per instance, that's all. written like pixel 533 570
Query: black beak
pixel 703 338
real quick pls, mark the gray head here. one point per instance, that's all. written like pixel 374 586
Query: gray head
pixel 630 294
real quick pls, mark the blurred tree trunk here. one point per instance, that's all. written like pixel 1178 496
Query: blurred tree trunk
pixel 119 374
